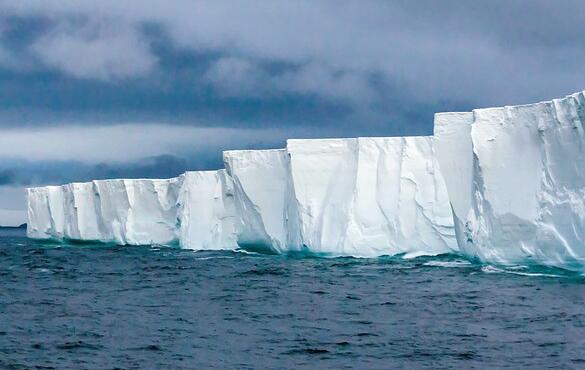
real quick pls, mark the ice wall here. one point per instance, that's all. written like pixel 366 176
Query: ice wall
pixel 137 212
pixel 360 197
pixel 503 185
pixel 454 153
pixel 39 219
pixel 134 212
pixel 265 219
pixel 323 173
pixel 371 196
pixel 527 181
pixel 205 211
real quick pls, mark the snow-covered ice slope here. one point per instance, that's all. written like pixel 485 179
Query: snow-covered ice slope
pixel 206 211
pixel 371 196
pixel 527 181
pixel 262 194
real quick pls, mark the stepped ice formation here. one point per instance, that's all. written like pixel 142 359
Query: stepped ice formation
pixel 502 185
pixel 516 179
pixel 360 197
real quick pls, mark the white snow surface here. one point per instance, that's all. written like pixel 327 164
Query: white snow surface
pixel 525 169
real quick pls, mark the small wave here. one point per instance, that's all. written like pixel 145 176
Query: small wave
pixel 214 258
pixel 531 271
pixel 248 252
pixel 417 254
pixel 460 263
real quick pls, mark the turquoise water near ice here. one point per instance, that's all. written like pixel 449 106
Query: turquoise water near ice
pixel 109 307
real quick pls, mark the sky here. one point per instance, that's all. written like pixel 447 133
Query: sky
pixel 151 88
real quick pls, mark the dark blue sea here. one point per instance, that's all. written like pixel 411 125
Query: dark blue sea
pixel 109 307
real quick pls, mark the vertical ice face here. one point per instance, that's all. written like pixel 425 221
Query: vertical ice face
pixel 131 212
pixel 82 209
pixel 196 208
pixel 138 212
pixel 56 202
pixel 39 217
pixel 152 215
pixel 262 191
pixel 454 152
pixel 323 173
pixel 206 211
pixel 400 202
pixel 528 181
pixel 371 196
pixel 114 205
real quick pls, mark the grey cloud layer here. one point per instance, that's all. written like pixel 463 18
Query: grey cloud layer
pixel 486 51
pixel 53 155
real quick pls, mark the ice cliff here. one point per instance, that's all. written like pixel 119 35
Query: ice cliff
pixel 371 196
pixel 360 197
pixel 500 185
pixel 516 180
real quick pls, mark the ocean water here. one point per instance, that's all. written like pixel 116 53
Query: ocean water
pixel 108 307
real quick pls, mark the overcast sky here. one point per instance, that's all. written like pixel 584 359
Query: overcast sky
pixel 149 88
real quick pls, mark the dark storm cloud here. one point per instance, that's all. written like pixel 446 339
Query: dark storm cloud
pixel 328 63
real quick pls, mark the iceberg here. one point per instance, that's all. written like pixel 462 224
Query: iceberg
pixel 361 197
pixel 500 185
pixel 516 179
